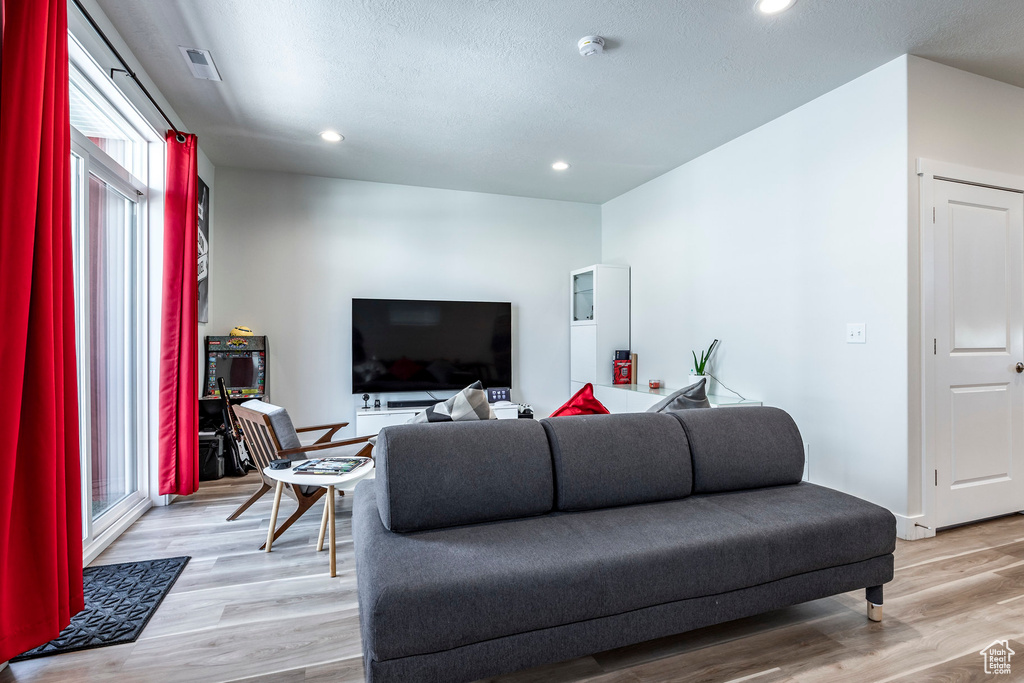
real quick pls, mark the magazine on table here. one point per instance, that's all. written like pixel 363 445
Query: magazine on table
pixel 332 466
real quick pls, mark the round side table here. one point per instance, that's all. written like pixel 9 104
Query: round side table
pixel 289 476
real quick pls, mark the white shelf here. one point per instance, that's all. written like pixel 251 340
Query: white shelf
pixel 593 340
pixel 633 398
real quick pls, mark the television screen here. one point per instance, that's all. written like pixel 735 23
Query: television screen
pixel 238 370
pixel 404 345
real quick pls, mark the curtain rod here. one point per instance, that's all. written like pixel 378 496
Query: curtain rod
pixel 178 135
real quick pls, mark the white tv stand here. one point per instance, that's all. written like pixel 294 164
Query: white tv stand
pixel 369 421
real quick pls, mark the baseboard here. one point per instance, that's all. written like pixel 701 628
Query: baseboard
pixel 912 528
pixel 111 533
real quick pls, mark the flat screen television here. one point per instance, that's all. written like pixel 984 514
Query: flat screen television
pixel 409 345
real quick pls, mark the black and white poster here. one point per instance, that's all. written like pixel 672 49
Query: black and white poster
pixel 203 269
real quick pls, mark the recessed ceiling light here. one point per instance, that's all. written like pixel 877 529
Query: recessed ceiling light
pixel 773 6
pixel 560 166
pixel 331 136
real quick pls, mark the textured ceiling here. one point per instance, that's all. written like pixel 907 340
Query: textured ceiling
pixel 484 94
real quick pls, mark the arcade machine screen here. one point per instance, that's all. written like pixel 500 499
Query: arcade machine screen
pixel 240 361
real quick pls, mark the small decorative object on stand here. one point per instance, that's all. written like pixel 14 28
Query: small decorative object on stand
pixel 495 394
pixel 623 372
pixel 366 401
pixel 622 367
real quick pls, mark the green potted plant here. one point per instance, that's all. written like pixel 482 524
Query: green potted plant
pixel 700 366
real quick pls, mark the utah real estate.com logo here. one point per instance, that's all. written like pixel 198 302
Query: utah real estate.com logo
pixel 997 657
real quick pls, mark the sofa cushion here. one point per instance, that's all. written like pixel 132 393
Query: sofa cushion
pixel 607 460
pixel 582 402
pixel 805 525
pixel 435 590
pixel 742 448
pixel 451 473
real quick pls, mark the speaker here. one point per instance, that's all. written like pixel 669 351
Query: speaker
pixel 211 457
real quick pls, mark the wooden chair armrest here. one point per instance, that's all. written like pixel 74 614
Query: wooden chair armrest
pixel 339 425
pixel 332 430
pixel 321 446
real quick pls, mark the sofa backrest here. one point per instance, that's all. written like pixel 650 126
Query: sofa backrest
pixel 742 448
pixel 434 475
pixel 608 460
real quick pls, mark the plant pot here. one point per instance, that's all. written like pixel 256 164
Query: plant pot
pixel 693 379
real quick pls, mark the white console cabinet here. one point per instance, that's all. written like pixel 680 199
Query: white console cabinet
pixel 370 421
pixel 599 319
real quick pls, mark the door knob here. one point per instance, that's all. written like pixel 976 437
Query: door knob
pixel 1020 367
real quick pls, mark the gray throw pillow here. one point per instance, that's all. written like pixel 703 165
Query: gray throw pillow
pixel 693 396
pixel 469 404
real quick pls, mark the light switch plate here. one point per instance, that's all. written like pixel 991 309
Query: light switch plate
pixel 855 333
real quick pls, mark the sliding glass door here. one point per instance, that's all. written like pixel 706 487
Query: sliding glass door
pixel 109 203
pixel 111 291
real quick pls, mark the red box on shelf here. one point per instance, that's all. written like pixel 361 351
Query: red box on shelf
pixel 622 372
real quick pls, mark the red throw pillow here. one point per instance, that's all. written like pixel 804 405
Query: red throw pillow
pixel 582 403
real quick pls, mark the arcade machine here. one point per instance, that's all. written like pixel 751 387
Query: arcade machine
pixel 241 362
pixel 236 371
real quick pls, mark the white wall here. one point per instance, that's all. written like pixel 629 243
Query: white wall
pixel 208 173
pixel 292 252
pixel 961 118
pixel 772 243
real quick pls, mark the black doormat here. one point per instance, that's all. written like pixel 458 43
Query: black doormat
pixel 120 599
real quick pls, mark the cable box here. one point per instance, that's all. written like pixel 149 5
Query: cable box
pixel 412 403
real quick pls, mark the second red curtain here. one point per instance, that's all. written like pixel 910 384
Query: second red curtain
pixel 179 357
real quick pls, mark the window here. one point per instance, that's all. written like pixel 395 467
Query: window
pixel 97 119
pixel 109 197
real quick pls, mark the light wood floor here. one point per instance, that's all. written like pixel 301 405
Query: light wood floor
pixel 237 614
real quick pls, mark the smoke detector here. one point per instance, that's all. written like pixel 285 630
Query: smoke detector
pixel 200 63
pixel 591 45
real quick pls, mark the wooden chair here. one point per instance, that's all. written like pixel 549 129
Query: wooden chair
pixel 264 433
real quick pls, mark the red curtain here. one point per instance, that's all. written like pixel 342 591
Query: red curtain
pixel 179 359
pixel 40 479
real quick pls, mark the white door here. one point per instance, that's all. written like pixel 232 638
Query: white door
pixel 979 340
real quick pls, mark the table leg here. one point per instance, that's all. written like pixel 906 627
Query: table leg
pixel 323 529
pixel 273 514
pixel 330 522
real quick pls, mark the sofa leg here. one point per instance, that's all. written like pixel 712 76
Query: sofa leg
pixel 874 597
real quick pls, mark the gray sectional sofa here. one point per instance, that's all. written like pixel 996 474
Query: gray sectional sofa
pixel 488 547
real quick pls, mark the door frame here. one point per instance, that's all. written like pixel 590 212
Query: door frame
pixel 101 532
pixel 929 171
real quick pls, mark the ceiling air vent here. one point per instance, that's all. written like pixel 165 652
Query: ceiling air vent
pixel 200 63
